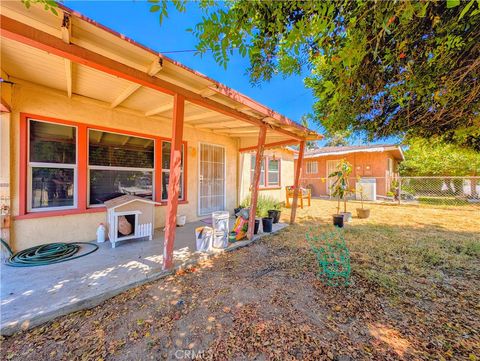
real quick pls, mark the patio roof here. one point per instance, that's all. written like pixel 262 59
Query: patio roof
pixel 79 57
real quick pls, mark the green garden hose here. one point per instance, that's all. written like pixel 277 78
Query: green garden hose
pixel 46 254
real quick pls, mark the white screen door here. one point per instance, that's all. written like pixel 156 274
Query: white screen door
pixel 332 166
pixel 211 179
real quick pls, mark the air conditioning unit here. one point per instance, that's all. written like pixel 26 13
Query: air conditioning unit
pixel 369 186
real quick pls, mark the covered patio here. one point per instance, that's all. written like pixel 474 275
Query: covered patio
pixel 68 80
pixel 31 298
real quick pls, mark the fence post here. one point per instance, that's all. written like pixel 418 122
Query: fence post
pixel 399 190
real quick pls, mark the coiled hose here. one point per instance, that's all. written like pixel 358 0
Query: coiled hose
pixel 46 254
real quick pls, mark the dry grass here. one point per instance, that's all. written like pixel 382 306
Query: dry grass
pixel 399 245
pixel 414 296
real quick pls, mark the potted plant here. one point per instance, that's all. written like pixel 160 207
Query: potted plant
pixel 275 212
pixel 340 189
pixel 362 212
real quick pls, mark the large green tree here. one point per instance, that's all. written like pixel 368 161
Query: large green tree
pixel 436 158
pixel 379 67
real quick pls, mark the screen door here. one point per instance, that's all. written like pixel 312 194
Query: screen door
pixel 211 178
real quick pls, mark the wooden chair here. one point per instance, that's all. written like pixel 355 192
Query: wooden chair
pixel 303 193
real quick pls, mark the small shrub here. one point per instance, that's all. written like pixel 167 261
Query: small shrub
pixel 264 204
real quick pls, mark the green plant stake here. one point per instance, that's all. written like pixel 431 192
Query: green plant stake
pixel 332 255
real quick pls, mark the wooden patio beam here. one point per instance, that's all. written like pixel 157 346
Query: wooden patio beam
pixel 174 180
pixel 269 145
pixel 4 106
pixel 296 188
pixel 160 109
pixel 66 31
pixel 25 34
pixel 256 181
pixel 153 69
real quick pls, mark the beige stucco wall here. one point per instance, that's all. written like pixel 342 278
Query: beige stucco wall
pixel 286 178
pixel 82 227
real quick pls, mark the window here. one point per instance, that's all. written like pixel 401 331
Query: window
pixel 273 172
pixel 119 164
pixel 52 166
pixel 271 178
pixel 68 166
pixel 312 167
pixel 166 146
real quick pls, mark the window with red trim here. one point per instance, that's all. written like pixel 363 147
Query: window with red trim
pixel 270 172
pixel 68 166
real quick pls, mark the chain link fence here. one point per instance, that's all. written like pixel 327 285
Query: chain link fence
pixel 441 191
pixel 437 191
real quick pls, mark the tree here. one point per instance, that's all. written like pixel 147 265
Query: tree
pixel 437 158
pixel 382 68
pixel 337 139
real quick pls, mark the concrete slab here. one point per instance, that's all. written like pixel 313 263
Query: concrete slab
pixel 34 295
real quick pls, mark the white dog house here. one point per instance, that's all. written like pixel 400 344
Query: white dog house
pixel 130 217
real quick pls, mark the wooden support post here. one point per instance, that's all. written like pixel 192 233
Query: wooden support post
pixel 296 188
pixel 256 180
pixel 174 180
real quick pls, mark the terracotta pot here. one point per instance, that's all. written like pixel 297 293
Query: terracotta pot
pixel 363 213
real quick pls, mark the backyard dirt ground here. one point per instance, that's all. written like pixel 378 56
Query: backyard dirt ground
pixel 414 294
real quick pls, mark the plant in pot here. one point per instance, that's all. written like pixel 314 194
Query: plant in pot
pixel 362 212
pixel 264 204
pixel 274 210
pixel 340 189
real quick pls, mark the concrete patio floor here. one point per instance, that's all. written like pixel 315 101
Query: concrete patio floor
pixel 34 295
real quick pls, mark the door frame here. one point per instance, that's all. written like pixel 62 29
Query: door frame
pixel 199 212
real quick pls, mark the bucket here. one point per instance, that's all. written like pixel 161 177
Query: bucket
pixel 181 220
pixel 204 238
pixel 220 226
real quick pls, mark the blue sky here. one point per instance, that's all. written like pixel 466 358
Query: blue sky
pixel 287 96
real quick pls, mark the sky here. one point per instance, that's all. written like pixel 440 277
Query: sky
pixel 287 96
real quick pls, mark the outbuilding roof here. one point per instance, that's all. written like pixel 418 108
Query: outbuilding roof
pixel 326 151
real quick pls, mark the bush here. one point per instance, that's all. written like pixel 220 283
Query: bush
pixel 264 204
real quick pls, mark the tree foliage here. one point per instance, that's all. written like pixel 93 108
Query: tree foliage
pixel 383 68
pixel 378 67
pixel 435 157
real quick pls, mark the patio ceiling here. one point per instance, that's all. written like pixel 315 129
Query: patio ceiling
pixel 210 106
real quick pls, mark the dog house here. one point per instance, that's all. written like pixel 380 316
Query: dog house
pixel 130 217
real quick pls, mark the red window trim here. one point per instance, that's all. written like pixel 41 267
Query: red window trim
pixel 267 186
pixel 82 166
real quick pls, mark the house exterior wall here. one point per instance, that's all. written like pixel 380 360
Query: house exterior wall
pixel 286 174
pixel 360 161
pixel 33 99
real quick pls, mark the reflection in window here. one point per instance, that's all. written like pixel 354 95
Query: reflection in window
pixel 52 143
pixel 109 184
pixel 119 164
pixel 52 165
pixel 52 187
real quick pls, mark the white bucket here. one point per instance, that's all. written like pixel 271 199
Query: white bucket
pixel 204 238
pixel 181 220
pixel 220 226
